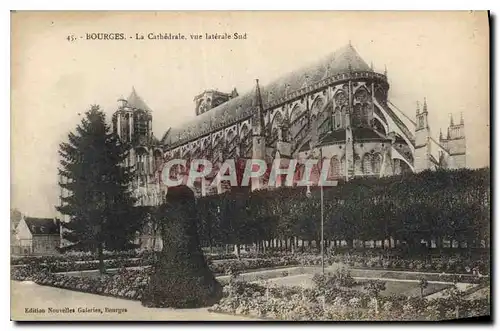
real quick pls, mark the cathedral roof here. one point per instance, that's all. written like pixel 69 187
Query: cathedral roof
pixel 135 101
pixel 344 60
pixel 359 134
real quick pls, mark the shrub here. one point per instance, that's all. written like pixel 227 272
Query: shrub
pixel 340 278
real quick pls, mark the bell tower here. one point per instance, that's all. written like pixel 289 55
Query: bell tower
pixel 212 98
pixel 123 121
pixel 132 122
pixel 455 143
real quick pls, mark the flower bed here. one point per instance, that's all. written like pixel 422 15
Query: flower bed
pixel 108 255
pixel 331 299
pixel 78 256
pixel 25 272
pixel 382 261
pixel 126 284
pixel 295 303
pixel 380 267
pixel 229 266
pixel 440 265
pixel 381 273
pixel 218 267
pixel 84 265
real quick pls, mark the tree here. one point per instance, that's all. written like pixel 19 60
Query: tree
pixel 429 206
pixel 100 203
pixel 209 215
pixel 423 285
pixel 15 218
pixel 181 277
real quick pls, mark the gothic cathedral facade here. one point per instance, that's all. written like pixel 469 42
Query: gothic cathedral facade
pixel 338 107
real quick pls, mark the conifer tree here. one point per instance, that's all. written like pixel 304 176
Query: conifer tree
pixel 100 203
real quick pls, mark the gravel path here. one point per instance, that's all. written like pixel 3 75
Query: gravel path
pixel 26 295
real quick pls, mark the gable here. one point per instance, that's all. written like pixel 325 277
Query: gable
pixel 22 231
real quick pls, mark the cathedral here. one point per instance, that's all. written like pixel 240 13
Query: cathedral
pixel 337 108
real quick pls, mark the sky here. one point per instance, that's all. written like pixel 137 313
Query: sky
pixel 442 56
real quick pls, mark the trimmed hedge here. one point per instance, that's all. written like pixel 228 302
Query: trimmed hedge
pixel 442 205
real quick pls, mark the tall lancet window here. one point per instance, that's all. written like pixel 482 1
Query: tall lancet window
pixel 337 119
pixel 358 171
pixel 340 104
pixel 335 168
pixel 158 160
pixel 343 166
pixel 356 117
pixel 276 127
pixel 296 123
pixel 325 119
pixel 361 116
pixel 142 162
pixel 367 164
pixel 376 163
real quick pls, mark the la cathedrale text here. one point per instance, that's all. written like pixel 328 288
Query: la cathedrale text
pixel 180 36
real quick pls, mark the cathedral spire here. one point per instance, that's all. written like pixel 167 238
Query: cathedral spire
pixel 440 134
pixel 327 71
pixel 451 120
pixel 287 87
pixel 306 80
pixel 425 105
pixel 418 107
pixel 385 70
pixel 461 118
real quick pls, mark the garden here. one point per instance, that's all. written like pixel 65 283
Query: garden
pixel 414 248
pixel 334 297
pixel 288 286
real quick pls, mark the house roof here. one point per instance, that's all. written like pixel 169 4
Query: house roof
pixel 42 225
pixel 344 60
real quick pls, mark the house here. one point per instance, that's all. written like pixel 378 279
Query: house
pixel 37 236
